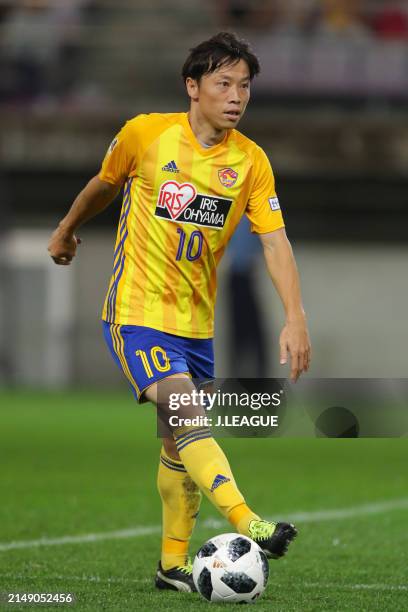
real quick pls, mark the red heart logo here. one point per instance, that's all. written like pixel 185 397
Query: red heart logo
pixel 176 197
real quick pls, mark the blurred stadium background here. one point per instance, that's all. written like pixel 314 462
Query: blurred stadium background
pixel 329 108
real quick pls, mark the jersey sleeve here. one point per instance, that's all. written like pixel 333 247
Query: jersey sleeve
pixel 263 209
pixel 121 158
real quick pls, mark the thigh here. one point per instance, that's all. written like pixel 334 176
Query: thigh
pixel 200 358
pixel 179 405
pixel 170 448
pixel 145 355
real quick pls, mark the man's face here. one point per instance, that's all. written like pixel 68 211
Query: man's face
pixel 222 95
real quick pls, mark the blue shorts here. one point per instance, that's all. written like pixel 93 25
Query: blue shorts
pixel 147 355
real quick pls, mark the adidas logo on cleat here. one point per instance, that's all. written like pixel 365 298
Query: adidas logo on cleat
pixel 219 480
pixel 171 167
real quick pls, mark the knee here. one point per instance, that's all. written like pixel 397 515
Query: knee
pixel 170 448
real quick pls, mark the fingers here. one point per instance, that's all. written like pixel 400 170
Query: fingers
pixel 62 250
pixel 62 261
pixel 294 340
pixel 302 361
pixel 294 366
pixel 307 359
pixel 299 362
pixel 283 353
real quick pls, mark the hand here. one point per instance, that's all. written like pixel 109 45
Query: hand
pixel 62 246
pixel 294 339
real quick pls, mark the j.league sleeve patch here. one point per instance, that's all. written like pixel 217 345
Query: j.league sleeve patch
pixel 274 203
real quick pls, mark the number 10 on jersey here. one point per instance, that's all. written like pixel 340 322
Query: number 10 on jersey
pixel 194 247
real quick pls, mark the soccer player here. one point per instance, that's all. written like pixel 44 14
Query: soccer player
pixel 188 178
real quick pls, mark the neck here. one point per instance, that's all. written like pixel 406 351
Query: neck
pixel 204 131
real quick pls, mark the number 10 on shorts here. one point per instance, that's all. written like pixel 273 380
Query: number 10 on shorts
pixel 161 364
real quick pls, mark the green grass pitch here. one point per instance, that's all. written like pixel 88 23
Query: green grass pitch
pixel 85 463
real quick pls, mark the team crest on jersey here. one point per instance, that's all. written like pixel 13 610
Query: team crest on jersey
pixel 180 202
pixel 228 177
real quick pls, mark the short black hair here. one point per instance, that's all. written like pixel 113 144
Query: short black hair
pixel 221 50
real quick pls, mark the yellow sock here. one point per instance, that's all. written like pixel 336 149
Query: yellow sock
pixel 210 470
pixel 181 500
pixel 240 517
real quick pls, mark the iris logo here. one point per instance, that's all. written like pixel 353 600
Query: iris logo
pixel 176 197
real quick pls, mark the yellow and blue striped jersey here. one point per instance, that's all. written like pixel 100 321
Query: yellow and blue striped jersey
pixel 181 205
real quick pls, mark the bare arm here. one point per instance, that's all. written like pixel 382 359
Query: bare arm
pixel 282 269
pixel 92 200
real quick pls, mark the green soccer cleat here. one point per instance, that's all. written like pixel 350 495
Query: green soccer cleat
pixel 273 538
pixel 176 578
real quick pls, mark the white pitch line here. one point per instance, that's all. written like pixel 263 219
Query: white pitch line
pixel 356 587
pixel 352 512
pixel 331 515
pixel 81 539
pixel 94 579
pixel 135 532
pixel 118 580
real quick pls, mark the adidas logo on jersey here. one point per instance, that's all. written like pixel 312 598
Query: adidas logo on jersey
pixel 218 480
pixel 171 167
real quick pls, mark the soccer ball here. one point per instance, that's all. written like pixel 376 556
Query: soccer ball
pixel 230 568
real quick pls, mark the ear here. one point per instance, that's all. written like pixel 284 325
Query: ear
pixel 192 88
